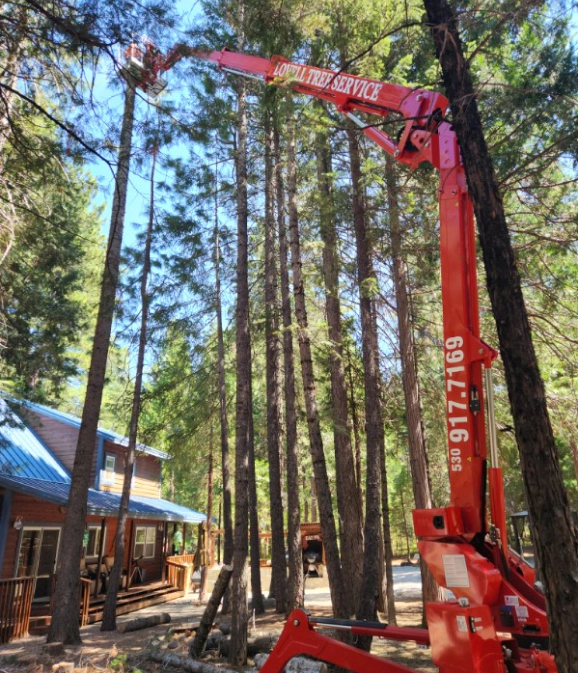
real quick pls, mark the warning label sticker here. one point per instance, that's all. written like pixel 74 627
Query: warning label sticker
pixel 511 600
pixel 462 624
pixel 456 570
pixel 522 613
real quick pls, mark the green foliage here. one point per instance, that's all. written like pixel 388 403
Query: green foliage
pixel 47 282
pixel 526 73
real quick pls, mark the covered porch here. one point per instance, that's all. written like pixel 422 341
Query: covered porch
pixel 20 615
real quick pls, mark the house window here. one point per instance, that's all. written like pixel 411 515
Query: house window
pixel 37 556
pixel 144 541
pixel 109 473
pixel 92 546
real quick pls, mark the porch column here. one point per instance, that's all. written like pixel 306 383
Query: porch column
pixel 100 555
pixel 4 524
pixel 164 552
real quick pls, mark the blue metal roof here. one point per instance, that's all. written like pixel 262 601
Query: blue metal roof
pixel 171 509
pixel 28 466
pixel 73 421
pixel 100 503
pixel 23 454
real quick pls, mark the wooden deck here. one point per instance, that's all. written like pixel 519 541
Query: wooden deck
pixel 19 614
pixel 136 598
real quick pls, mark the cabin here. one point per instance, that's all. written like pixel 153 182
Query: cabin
pixel 37 447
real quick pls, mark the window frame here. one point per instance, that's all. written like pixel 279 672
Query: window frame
pixel 108 477
pixel 146 543
pixel 96 528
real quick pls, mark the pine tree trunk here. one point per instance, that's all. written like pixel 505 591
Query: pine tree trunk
pixel 239 616
pixel 356 431
pixel 114 580
pixel 64 626
pixel 554 534
pixel 348 503
pixel 375 440
pixel 418 459
pixel 387 546
pixel 273 380
pixel 296 585
pixel 338 595
pixel 210 494
pixel 210 612
pixel 224 422
pixel 257 600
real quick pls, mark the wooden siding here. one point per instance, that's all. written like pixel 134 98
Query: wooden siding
pixel 147 475
pixel 147 478
pixel 34 513
pixel 62 440
pixel 39 513
pixel 59 437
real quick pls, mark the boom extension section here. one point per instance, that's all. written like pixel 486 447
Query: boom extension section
pixel 498 621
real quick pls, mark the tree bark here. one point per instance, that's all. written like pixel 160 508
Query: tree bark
pixel 348 502
pixel 239 616
pixel 387 546
pixel 555 537
pixel 185 663
pixel 296 585
pixel 257 598
pixel 224 422
pixel 211 610
pixel 64 626
pixel 224 425
pixel 273 380
pixel 210 494
pixel 114 580
pixel 338 595
pixel 418 458
pixel 375 441
pixel 143 623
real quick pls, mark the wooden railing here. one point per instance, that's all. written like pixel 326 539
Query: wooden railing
pixel 84 600
pixel 179 570
pixel 15 607
pixel 182 558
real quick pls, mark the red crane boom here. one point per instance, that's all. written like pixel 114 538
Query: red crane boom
pixel 498 621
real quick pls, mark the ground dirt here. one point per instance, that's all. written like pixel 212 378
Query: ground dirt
pixel 113 652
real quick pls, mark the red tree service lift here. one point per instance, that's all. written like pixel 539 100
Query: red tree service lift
pixel 498 622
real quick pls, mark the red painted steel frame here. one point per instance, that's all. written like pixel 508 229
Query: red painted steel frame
pixel 425 137
pixel 500 616
pixel 299 638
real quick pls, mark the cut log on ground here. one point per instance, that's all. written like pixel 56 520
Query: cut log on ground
pixel 144 622
pixel 295 665
pixel 210 611
pixel 256 643
pixel 185 663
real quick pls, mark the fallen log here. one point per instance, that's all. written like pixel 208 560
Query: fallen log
pixel 185 663
pixel 144 622
pixel 208 617
pixel 256 643
pixel 295 665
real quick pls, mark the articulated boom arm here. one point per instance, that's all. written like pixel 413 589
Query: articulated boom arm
pixel 499 622
pixel 425 137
